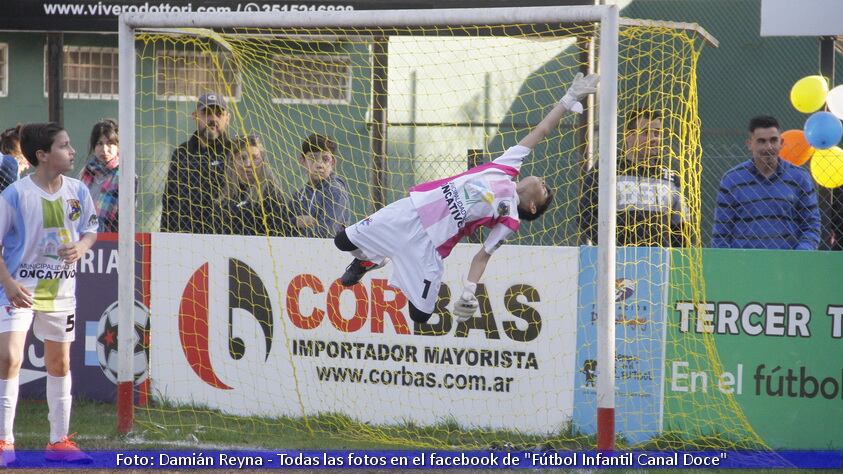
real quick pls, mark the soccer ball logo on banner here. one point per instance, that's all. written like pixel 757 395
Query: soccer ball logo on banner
pixel 107 348
pixel 624 288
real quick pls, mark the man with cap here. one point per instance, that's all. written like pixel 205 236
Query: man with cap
pixel 197 171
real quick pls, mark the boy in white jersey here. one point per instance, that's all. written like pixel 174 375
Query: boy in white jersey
pixel 47 222
pixel 419 231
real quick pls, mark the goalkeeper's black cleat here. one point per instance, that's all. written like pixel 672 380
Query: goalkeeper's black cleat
pixel 356 269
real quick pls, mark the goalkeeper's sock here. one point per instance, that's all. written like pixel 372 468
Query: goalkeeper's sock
pixel 8 404
pixel 359 255
pixel 59 401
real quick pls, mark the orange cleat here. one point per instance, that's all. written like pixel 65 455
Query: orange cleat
pixel 7 453
pixel 66 450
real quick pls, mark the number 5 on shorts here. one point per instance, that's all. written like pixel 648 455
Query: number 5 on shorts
pixel 71 322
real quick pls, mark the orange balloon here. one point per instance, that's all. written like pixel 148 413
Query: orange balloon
pixel 796 148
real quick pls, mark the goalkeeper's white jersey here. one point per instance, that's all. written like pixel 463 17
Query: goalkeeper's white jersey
pixel 33 224
pixel 454 207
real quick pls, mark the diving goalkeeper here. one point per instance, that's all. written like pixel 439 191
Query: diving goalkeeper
pixel 419 231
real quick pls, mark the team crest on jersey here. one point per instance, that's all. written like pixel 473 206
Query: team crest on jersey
pixel 481 192
pixel 503 208
pixel 49 245
pixel 75 209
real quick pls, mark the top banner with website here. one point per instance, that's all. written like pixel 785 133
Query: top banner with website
pixel 101 15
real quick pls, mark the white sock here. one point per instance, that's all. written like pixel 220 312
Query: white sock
pixel 58 401
pixel 358 254
pixel 8 404
pixel 362 256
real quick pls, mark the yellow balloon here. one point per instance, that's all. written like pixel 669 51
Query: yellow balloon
pixel 827 167
pixel 808 94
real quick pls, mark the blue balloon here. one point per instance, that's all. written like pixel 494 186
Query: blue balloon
pixel 823 130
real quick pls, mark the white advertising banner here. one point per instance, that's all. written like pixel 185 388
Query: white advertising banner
pixel 262 326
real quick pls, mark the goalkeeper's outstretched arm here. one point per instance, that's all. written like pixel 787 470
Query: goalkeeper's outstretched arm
pixel 478 265
pixel 466 305
pixel 580 88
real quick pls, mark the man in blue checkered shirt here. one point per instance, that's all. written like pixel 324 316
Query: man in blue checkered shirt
pixel 766 202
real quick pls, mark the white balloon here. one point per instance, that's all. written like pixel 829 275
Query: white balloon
pixel 834 100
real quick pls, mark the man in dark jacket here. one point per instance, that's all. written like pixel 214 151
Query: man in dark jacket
pixel 651 209
pixel 321 206
pixel 197 171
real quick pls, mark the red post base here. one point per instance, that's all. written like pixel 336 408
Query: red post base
pixel 125 407
pixel 605 429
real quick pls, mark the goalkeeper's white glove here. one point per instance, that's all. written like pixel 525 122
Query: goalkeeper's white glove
pixel 467 304
pixel 580 88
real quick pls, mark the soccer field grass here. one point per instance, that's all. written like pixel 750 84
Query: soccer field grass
pixel 191 427
pixel 96 423
pixel 96 426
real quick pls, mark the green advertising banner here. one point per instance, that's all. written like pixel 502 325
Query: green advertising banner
pixel 762 357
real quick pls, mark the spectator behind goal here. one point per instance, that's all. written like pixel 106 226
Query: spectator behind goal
pixel 252 201
pixel 766 202
pixel 196 176
pixel 651 208
pixel 13 162
pixel 321 206
pixel 102 172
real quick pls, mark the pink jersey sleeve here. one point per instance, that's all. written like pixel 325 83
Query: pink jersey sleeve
pixel 496 238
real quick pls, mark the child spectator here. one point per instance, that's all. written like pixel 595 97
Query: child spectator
pixel 13 162
pixel 252 201
pixel 102 172
pixel 321 206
